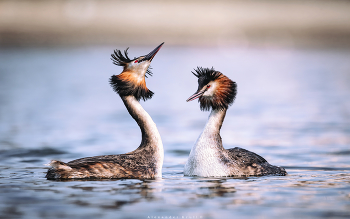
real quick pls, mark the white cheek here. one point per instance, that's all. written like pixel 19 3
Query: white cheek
pixel 211 90
pixel 139 68
pixel 144 66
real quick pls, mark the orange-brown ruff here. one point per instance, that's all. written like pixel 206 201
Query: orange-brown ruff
pixel 208 158
pixel 143 163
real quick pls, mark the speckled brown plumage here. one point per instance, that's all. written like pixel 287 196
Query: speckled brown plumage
pixel 139 164
pixel 250 163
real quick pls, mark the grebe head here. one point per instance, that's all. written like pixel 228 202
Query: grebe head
pixel 132 80
pixel 215 90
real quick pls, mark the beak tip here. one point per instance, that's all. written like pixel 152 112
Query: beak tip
pixel 150 56
pixel 195 96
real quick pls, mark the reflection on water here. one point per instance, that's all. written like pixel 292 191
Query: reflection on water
pixel 291 108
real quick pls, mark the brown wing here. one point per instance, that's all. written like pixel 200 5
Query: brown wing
pixel 109 166
pixel 253 164
pixel 245 156
pixel 104 158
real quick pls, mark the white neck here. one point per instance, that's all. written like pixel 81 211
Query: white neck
pixel 214 123
pixel 204 159
pixel 211 132
pixel 150 135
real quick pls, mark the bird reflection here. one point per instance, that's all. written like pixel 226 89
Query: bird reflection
pixel 216 188
pixel 123 194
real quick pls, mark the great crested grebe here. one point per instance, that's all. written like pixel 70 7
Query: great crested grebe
pixel 143 163
pixel 208 157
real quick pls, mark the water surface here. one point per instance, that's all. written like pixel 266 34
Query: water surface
pixel 292 108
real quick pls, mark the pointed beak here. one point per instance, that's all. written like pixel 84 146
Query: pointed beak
pixel 150 55
pixel 195 95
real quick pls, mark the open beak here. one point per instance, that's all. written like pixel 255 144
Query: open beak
pixel 196 95
pixel 150 55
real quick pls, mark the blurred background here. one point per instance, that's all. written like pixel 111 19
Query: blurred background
pixel 199 23
pixel 291 62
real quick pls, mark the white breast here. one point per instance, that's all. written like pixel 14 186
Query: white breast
pixel 204 159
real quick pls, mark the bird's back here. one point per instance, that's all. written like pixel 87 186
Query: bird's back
pixel 127 166
pixel 252 164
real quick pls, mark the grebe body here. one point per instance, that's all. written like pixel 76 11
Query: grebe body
pixel 208 157
pixel 143 163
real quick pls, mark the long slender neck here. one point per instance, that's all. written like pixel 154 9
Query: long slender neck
pixel 150 134
pixel 215 120
pixel 210 136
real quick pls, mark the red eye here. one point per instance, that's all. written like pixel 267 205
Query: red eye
pixel 136 61
pixel 208 86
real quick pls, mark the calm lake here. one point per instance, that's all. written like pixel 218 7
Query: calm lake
pixel 292 108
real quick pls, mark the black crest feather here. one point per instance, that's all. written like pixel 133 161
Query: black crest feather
pixel 122 60
pixel 127 88
pixel 119 59
pixel 224 95
pixel 207 73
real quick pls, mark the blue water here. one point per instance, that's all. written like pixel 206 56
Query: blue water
pixel 292 108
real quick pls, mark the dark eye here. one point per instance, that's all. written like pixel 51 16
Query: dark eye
pixel 136 61
pixel 208 86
